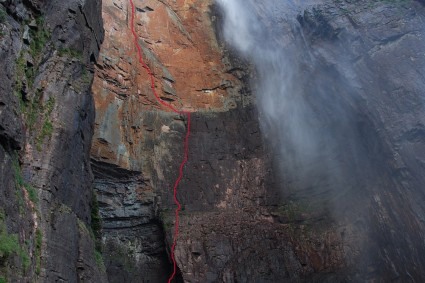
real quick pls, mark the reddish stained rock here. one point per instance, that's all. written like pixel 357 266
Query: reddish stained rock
pixel 180 47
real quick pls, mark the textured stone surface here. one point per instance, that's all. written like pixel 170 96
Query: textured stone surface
pixel 179 44
pixel 236 225
pixel 358 67
pixel 135 134
pixel 361 68
pixel 367 75
pixel 132 236
pixel 47 49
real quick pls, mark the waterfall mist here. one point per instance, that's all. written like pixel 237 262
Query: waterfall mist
pixel 307 121
pixel 339 89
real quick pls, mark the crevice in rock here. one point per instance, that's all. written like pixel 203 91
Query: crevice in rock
pixel 133 237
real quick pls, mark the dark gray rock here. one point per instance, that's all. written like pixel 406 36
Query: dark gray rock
pixel 46 116
pixel 132 235
pixel 357 67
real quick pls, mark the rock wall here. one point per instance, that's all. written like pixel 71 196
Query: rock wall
pixel 232 219
pixel 361 71
pixel 47 50
pixel 244 221
pixel 360 65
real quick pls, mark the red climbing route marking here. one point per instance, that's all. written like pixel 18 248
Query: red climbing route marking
pixel 186 139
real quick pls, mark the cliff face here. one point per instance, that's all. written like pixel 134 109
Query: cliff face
pixel 47 50
pixel 366 73
pixel 140 144
pixel 244 220
pixel 350 210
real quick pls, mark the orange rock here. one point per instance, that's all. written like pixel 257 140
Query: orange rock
pixel 180 47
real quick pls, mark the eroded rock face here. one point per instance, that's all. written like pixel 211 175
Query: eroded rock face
pixel 244 221
pixel 179 44
pixel 134 133
pixel 46 124
pixel 365 72
pixel 356 68
pixel 134 246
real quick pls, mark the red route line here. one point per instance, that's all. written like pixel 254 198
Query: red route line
pixel 186 140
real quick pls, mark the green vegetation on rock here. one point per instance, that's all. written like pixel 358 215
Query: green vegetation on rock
pixel 96 227
pixel 2 17
pixel 38 245
pixel 99 260
pixel 20 182
pixel 72 53
pixel 40 37
pixel 96 222
pixel 9 246
pixel 35 109
pixel 86 79
pixel 97 251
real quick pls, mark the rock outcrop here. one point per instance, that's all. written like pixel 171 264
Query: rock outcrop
pixel 353 211
pixel 134 135
pixel 241 220
pixel 47 51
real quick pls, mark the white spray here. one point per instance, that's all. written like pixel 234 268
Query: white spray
pixel 269 35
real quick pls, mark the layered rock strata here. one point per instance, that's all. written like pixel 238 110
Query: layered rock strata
pixel 47 51
pixel 243 222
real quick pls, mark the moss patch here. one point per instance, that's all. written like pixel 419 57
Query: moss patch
pixel 40 37
pixel 70 53
pixel 2 20
pixel 9 246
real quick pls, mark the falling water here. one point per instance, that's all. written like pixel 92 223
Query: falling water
pixel 302 117
pixel 335 115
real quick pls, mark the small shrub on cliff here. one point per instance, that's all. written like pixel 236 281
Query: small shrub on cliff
pixel 96 222
pixel 32 193
pixel 2 14
pixel 9 245
pixel 85 77
pixel 46 131
pixel 40 37
pixel 72 53
pixel 20 182
pixel 99 260
pixel 38 245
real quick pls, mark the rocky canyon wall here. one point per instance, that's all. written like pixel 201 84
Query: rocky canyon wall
pixel 47 51
pixel 252 211
pixel 244 219
pixel 142 143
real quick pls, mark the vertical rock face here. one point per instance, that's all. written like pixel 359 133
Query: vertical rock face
pixel 236 225
pixel 358 70
pixel 136 137
pixel 47 50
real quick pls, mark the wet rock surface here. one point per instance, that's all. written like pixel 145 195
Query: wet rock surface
pixel 360 65
pixel 242 221
pixel 368 63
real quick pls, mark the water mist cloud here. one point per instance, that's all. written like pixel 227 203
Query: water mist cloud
pixel 297 112
pixel 340 97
